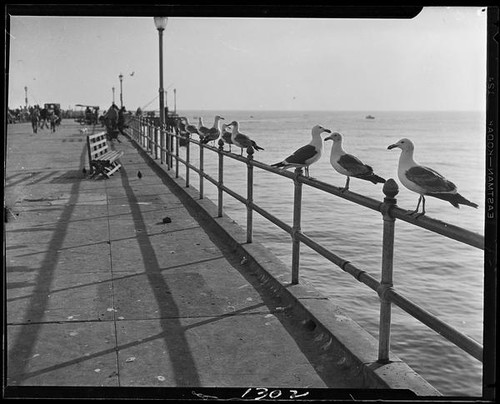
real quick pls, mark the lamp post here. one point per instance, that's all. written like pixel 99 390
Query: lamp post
pixel 161 24
pixel 121 93
pixel 113 89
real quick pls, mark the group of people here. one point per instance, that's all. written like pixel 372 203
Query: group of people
pixel 114 121
pixel 44 118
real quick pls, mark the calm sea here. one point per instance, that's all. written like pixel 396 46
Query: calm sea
pixel 442 275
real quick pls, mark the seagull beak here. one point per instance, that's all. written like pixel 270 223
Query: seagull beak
pixel 328 130
pixel 328 138
pixel 392 146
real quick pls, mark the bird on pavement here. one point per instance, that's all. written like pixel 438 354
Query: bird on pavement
pixel 241 140
pixel 349 165
pixel 425 181
pixel 306 155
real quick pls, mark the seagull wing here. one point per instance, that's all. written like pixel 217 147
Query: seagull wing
pixel 300 156
pixel 353 165
pixel 429 180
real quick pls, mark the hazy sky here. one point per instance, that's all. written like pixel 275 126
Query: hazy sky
pixel 436 61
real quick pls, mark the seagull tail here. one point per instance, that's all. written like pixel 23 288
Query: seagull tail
pixel 455 200
pixel 376 179
pixel 257 147
pixel 279 165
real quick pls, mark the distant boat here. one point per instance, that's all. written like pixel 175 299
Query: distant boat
pixel 369 117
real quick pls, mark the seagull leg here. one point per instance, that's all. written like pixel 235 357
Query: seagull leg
pixel 423 207
pixel 420 199
pixel 346 186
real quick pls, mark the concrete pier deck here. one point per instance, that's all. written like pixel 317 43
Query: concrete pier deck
pixel 101 292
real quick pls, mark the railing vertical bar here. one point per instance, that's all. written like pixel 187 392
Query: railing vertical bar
pixel 201 167
pixel 220 200
pixel 188 162
pixel 250 152
pixel 161 145
pixel 297 208
pixel 177 140
pixel 390 190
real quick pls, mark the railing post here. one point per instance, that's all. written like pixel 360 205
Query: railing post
pixel 150 150
pixel 188 153
pixel 221 179
pixel 157 137
pixel 177 153
pixel 201 170
pixel 297 208
pixel 390 190
pixel 250 152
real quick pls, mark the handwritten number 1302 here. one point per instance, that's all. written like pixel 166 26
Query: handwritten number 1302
pixel 262 392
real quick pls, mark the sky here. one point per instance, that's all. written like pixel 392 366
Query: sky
pixel 435 61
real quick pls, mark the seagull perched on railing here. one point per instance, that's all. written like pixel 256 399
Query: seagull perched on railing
pixel 306 155
pixel 214 132
pixel 241 140
pixel 349 165
pixel 202 129
pixel 226 135
pixel 424 180
pixel 191 129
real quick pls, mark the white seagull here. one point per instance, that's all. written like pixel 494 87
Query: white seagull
pixel 241 140
pixel 189 127
pixel 424 180
pixel 226 135
pixel 214 132
pixel 306 155
pixel 349 165
pixel 202 129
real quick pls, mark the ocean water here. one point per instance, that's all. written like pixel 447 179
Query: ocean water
pixel 442 275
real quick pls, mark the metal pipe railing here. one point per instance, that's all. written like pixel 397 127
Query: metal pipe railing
pixel 390 212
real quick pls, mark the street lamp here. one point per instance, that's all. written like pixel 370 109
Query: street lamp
pixel 161 24
pixel 121 93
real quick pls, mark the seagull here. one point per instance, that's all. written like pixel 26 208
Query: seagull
pixel 226 135
pixel 202 129
pixel 349 165
pixel 306 155
pixel 132 73
pixel 424 180
pixel 214 132
pixel 241 140
pixel 191 129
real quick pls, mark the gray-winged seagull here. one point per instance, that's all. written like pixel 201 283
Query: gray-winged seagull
pixel 214 132
pixel 424 180
pixel 349 165
pixel 226 135
pixel 241 140
pixel 306 155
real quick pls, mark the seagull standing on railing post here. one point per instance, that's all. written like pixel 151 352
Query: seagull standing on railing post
pixel 202 129
pixel 241 140
pixel 424 180
pixel 226 135
pixel 306 155
pixel 349 165
pixel 191 129
pixel 214 132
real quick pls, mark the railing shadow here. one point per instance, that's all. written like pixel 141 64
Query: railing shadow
pixel 183 363
pixel 22 348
